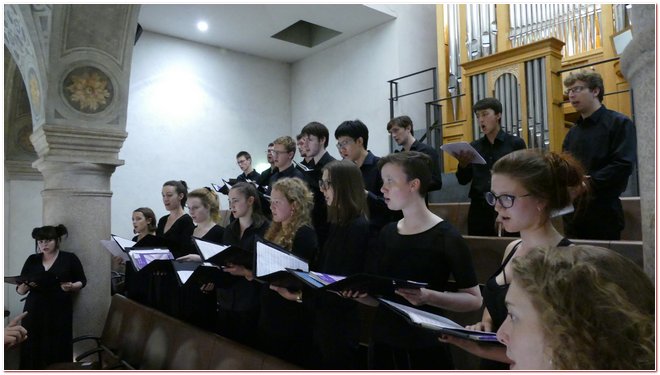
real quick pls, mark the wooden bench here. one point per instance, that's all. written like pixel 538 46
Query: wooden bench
pixel 138 337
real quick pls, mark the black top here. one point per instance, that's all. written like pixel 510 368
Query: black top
pixel 50 318
pixel 494 293
pixel 320 210
pixel 281 316
pixel 431 257
pixel 243 295
pixel 178 236
pixel 436 178
pixel 232 235
pixel 253 176
pixel 606 145
pixel 345 249
pixel 215 234
pixel 379 214
pixel 264 178
pixel 479 174
pixel 292 171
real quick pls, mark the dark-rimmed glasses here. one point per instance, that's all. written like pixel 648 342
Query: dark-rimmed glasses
pixel 506 200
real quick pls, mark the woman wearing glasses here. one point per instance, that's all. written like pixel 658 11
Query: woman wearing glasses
pixel 527 187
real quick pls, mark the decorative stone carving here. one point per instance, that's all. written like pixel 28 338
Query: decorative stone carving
pixel 88 90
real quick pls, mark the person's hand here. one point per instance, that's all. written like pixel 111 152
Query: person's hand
pixel 238 270
pixel 23 288
pixel 190 258
pixel 416 297
pixel 484 326
pixel 464 158
pixel 353 294
pixel 67 286
pixel 207 288
pixel 118 261
pixel 15 333
pixel 286 293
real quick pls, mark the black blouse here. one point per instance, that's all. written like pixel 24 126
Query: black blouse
pixel 178 236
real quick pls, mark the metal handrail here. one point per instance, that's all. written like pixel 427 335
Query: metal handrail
pixel 586 65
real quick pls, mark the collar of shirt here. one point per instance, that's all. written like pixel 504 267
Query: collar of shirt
pixel 369 159
pixel 594 118
pixel 499 137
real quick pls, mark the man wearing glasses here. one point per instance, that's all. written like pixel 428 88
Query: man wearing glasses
pixel 604 141
pixel 283 151
pixel 492 146
pixel 244 161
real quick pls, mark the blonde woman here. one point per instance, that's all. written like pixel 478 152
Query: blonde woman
pixel 285 327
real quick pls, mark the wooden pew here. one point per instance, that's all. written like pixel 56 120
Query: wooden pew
pixel 138 337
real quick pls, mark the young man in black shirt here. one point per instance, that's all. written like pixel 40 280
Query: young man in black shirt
pixel 492 146
pixel 604 141
pixel 401 130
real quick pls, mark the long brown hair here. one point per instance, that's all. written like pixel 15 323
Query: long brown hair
pixel 301 198
pixel 349 200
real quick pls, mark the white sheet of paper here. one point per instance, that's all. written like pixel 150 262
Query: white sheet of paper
pixel 454 148
pixel 114 249
pixel 123 242
pixel 184 275
pixel 209 249
pixel 270 260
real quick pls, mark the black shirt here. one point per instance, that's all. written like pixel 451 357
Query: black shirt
pixel 320 210
pixel 431 257
pixel 292 171
pixel 253 176
pixel 232 235
pixel 606 145
pixel 178 236
pixel 436 179
pixel 479 174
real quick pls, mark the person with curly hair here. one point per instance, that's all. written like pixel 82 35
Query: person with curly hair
pixel 285 327
pixel 52 277
pixel 579 308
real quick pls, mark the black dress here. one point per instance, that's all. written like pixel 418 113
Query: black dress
pixel 337 320
pixel 493 297
pixel 178 236
pixel 431 257
pixel 238 304
pixel 285 327
pixel 49 321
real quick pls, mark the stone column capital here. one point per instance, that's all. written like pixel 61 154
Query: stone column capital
pixel 74 144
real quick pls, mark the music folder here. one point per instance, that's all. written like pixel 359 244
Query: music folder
pixel 439 323
pixel 222 255
pixel 454 148
pixel 142 258
pixel 361 282
pixel 271 263
pixel 42 279
pixel 117 246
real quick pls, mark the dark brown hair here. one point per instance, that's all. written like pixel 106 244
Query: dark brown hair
pixel 49 232
pixel 416 165
pixel 150 216
pixel 181 188
pixel 349 200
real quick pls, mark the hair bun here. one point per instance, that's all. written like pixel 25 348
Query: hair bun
pixel 184 183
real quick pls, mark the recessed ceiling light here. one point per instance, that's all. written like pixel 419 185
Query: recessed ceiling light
pixel 202 26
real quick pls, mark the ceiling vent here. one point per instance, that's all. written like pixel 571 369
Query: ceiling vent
pixel 306 34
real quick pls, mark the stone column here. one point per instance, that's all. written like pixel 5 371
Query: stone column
pixel 76 166
pixel 638 66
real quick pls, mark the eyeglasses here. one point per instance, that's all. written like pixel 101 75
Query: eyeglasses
pixel 325 184
pixel 277 153
pixel 345 143
pixel 506 200
pixel 574 90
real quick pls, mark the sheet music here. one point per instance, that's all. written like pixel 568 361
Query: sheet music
pixel 209 249
pixel 227 184
pixel 454 148
pixel 184 275
pixel 124 243
pixel 143 257
pixel 271 260
pixel 114 249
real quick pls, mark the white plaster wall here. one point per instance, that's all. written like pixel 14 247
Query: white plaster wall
pixel 191 108
pixel 23 212
pixel 349 80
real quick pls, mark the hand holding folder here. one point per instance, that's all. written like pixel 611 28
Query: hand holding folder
pixel 363 283
pixel 438 323
pixel 457 148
